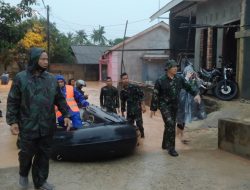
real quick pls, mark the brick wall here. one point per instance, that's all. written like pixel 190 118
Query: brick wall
pixel 76 71
pixel 209 48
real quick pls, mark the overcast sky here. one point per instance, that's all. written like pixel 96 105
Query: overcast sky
pixel 72 15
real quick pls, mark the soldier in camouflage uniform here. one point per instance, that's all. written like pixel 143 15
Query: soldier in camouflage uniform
pixel 109 97
pixel 165 97
pixel 133 96
pixel 31 115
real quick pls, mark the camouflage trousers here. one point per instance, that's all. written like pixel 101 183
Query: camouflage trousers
pixel 169 118
pixel 35 153
pixel 136 118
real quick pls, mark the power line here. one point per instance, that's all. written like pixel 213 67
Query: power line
pixel 94 26
pixel 44 5
pixel 48 28
pixel 67 25
pixel 63 24
pixel 78 24
pixel 36 11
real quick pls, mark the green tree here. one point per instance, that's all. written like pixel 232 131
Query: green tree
pixel 118 40
pixel 80 38
pixel 70 37
pixel 10 18
pixel 11 29
pixel 61 50
pixel 98 37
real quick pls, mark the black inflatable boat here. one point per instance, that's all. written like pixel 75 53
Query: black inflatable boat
pixel 104 135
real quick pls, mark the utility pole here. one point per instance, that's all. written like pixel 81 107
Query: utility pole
pixel 123 44
pixel 48 32
pixel 159 7
pixel 48 35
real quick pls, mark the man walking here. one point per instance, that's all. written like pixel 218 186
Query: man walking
pixel 31 115
pixel 133 96
pixel 109 97
pixel 165 97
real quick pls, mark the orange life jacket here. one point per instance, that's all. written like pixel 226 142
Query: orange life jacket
pixel 70 101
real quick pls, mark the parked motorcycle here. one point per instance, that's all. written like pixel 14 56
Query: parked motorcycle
pixel 219 81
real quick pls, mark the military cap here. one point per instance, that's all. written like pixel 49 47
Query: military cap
pixel 170 63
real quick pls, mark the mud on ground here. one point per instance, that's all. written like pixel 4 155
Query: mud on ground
pixel 200 165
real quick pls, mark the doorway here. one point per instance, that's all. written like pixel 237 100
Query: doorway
pixel 229 50
pixel 204 48
pixel 104 72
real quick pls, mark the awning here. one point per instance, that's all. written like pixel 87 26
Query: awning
pixel 169 6
pixel 165 9
pixel 155 57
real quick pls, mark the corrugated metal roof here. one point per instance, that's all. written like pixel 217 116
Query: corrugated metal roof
pixel 170 6
pixel 165 9
pixel 88 54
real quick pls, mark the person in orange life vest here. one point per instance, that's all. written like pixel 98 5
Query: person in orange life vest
pixel 72 97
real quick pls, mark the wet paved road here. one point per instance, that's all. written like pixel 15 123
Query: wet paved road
pixel 199 166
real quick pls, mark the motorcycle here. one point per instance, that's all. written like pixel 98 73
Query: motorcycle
pixel 219 81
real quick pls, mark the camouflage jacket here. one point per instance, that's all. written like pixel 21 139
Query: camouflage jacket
pixel 133 96
pixel 109 97
pixel 32 99
pixel 166 91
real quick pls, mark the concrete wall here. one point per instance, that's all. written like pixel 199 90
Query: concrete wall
pixel 157 39
pixel 214 12
pixel 218 12
pixel 219 46
pixel 243 38
pixel 197 56
pixel 152 70
pixel 115 65
pixel 234 136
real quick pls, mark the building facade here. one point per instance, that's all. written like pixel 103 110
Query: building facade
pixel 143 56
pixel 88 57
pixel 211 29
